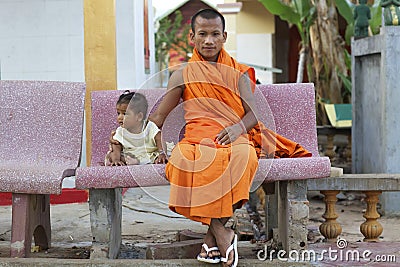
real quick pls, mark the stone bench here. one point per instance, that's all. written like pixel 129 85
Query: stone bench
pixel 288 109
pixel 41 131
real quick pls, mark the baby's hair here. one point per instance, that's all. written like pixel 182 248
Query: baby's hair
pixel 135 101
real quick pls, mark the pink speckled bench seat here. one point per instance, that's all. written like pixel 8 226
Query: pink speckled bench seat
pixel 288 109
pixel 41 131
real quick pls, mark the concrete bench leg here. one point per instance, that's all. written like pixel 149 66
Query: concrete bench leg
pixel 30 217
pixel 271 208
pixel 105 207
pixel 293 212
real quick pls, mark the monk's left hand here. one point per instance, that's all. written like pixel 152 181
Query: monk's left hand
pixel 161 159
pixel 229 134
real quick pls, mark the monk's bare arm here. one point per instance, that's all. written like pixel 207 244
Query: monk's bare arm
pixel 231 133
pixel 171 99
pixel 249 119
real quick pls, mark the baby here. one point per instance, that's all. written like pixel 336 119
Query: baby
pixel 139 139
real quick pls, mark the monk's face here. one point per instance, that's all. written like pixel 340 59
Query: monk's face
pixel 208 37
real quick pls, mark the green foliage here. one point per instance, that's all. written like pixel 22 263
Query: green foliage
pixel 172 34
pixel 299 12
pixel 346 80
pixel 285 12
pixel 346 7
pixel 376 17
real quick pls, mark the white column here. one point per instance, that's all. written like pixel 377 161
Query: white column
pixel 130 43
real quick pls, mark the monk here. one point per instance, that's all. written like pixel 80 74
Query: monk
pixel 211 169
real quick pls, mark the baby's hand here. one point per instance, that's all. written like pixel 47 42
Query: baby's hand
pixel 117 163
pixel 112 141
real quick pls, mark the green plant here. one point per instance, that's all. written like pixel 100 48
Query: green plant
pixel 346 7
pixel 300 13
pixel 172 34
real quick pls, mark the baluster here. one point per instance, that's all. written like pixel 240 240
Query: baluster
pixel 371 228
pixel 330 229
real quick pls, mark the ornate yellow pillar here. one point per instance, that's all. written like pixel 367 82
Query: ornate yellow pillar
pixel 371 228
pixel 330 229
pixel 100 54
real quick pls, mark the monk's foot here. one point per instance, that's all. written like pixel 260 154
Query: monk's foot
pixel 225 239
pixel 209 249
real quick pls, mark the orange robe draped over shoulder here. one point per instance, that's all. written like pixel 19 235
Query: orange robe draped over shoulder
pixel 207 178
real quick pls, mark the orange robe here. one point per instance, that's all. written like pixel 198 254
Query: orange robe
pixel 207 178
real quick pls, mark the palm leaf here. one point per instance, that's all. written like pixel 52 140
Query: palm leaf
pixel 285 12
pixel 376 17
pixel 345 8
pixel 302 7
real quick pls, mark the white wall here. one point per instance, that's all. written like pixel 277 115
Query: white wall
pixel 256 49
pixel 44 40
pixel 41 40
pixel 130 43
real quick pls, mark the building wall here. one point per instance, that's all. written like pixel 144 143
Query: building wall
pixel 281 51
pixel 41 40
pixel 254 34
pixel 230 27
pixel 44 40
pixel 130 45
pixel 375 86
pixel 254 18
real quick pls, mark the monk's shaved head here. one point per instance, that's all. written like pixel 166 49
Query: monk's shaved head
pixel 208 14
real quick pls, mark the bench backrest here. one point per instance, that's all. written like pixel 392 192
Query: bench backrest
pixel 41 122
pixel 104 118
pixel 288 109
pixel 293 109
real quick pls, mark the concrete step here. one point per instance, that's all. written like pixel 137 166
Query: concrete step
pixel 51 262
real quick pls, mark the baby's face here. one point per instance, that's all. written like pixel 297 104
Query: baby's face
pixel 132 121
pixel 121 110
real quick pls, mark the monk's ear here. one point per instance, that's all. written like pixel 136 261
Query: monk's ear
pixel 191 35
pixel 225 35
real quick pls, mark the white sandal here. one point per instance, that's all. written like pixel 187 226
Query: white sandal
pixel 208 259
pixel 233 247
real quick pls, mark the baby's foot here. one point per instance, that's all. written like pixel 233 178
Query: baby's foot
pixel 131 160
